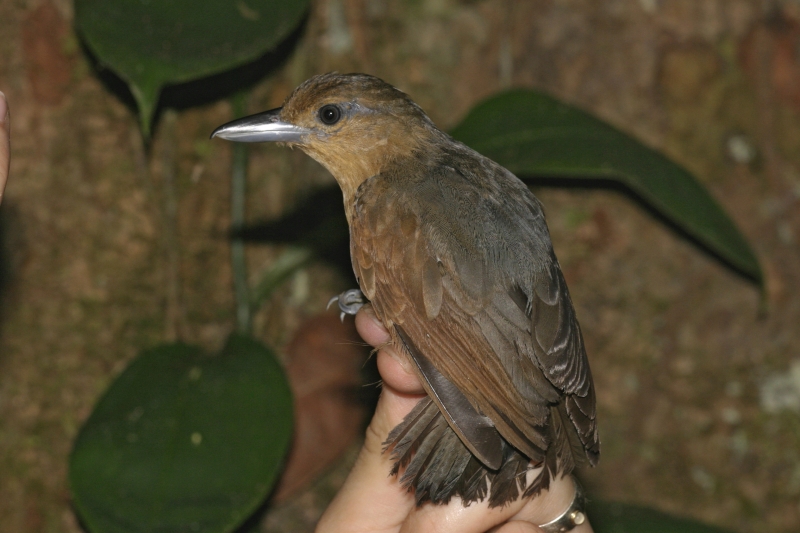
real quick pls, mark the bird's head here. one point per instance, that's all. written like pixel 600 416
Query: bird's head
pixel 353 124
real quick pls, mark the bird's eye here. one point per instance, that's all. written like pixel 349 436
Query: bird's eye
pixel 330 114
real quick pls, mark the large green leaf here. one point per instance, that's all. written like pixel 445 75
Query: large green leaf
pixel 532 134
pixel 622 518
pixel 151 43
pixel 183 442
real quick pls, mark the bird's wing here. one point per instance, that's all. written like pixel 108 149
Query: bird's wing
pixel 460 269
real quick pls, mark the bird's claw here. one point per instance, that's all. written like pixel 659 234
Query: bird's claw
pixel 350 301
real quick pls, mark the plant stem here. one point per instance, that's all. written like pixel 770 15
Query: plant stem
pixel 238 190
pixel 175 318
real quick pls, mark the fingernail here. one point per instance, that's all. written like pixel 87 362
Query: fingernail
pixel 368 310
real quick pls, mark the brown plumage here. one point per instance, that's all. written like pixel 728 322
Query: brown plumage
pixel 454 253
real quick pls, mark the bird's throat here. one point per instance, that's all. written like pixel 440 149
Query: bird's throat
pixel 352 163
pixel 349 172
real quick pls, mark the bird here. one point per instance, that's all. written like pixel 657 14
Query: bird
pixel 454 254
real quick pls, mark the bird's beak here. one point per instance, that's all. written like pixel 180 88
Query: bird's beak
pixel 261 127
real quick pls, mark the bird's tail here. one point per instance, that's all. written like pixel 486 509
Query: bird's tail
pixel 436 466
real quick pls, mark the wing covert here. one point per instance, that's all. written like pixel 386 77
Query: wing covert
pixel 478 292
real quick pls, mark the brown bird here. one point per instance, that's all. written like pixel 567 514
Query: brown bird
pixel 454 254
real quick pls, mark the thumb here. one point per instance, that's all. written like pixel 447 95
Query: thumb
pixel 371 500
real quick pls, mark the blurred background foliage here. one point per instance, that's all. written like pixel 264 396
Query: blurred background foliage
pixel 696 391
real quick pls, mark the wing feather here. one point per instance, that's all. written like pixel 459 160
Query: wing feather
pixel 479 294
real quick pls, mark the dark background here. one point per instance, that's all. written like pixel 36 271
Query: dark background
pixel 686 368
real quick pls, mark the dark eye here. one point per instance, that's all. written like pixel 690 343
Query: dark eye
pixel 330 114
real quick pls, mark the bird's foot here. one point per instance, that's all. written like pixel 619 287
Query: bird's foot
pixel 350 301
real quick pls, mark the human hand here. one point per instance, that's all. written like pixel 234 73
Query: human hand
pixel 371 501
pixel 5 143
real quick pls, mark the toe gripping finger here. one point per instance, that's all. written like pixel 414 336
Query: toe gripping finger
pixel 350 301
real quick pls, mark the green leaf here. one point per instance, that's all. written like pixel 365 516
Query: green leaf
pixel 183 442
pixel 608 517
pixel 151 43
pixel 535 135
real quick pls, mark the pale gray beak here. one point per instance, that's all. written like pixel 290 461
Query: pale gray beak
pixel 261 127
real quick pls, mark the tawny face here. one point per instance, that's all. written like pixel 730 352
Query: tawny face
pixel 352 124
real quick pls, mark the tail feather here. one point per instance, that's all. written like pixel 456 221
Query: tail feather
pixel 509 481
pixel 571 441
pixel 437 466
pixel 473 481
pixel 425 455
pixel 406 437
pixel 440 475
pixel 560 458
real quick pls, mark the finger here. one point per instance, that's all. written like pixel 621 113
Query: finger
pixel 396 370
pixel 5 143
pixel 455 517
pixel 371 500
pixel 551 504
pixel 370 328
pixel 518 526
pixel 479 517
